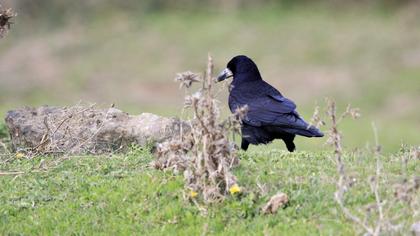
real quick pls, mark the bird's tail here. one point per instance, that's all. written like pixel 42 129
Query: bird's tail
pixel 295 124
pixel 301 127
pixel 311 131
pixel 314 131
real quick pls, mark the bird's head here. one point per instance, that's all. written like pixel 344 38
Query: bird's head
pixel 240 65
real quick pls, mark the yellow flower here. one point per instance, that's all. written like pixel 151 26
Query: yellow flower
pixel 234 189
pixel 193 194
pixel 20 155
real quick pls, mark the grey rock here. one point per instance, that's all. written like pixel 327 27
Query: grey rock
pixel 415 228
pixel 86 129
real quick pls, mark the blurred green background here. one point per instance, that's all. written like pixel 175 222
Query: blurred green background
pixel 366 53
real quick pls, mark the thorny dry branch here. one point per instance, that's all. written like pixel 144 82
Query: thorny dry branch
pixel 205 155
pixel 334 138
pixel 407 191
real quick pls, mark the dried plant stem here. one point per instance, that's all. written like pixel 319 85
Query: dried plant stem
pixel 205 154
pixel 375 184
pixel 338 153
pixel 209 75
pixel 383 217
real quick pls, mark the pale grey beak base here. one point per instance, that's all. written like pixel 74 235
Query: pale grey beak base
pixel 226 73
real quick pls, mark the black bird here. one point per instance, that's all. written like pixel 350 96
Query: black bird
pixel 270 115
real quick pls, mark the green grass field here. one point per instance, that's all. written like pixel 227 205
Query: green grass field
pixel 121 194
pixel 363 56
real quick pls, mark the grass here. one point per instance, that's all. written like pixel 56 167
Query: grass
pixel 120 194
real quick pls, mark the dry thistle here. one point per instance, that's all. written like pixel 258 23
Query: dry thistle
pixel 316 119
pixel 171 155
pixel 354 113
pixel 191 100
pixel 334 135
pixel 187 78
pixel 205 154
pixel 377 217
pixel 334 139
pixel 5 16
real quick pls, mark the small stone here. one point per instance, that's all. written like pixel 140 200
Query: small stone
pixel 277 201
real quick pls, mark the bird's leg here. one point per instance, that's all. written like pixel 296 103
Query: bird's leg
pixel 244 144
pixel 288 140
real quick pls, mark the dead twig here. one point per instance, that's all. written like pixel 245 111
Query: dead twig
pixel 335 140
pixel 377 217
pixel 375 183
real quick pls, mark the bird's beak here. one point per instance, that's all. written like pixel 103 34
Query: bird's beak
pixel 226 73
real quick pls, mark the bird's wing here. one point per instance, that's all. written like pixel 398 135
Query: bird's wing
pixel 266 108
pixel 271 110
pixel 280 115
pixel 282 104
